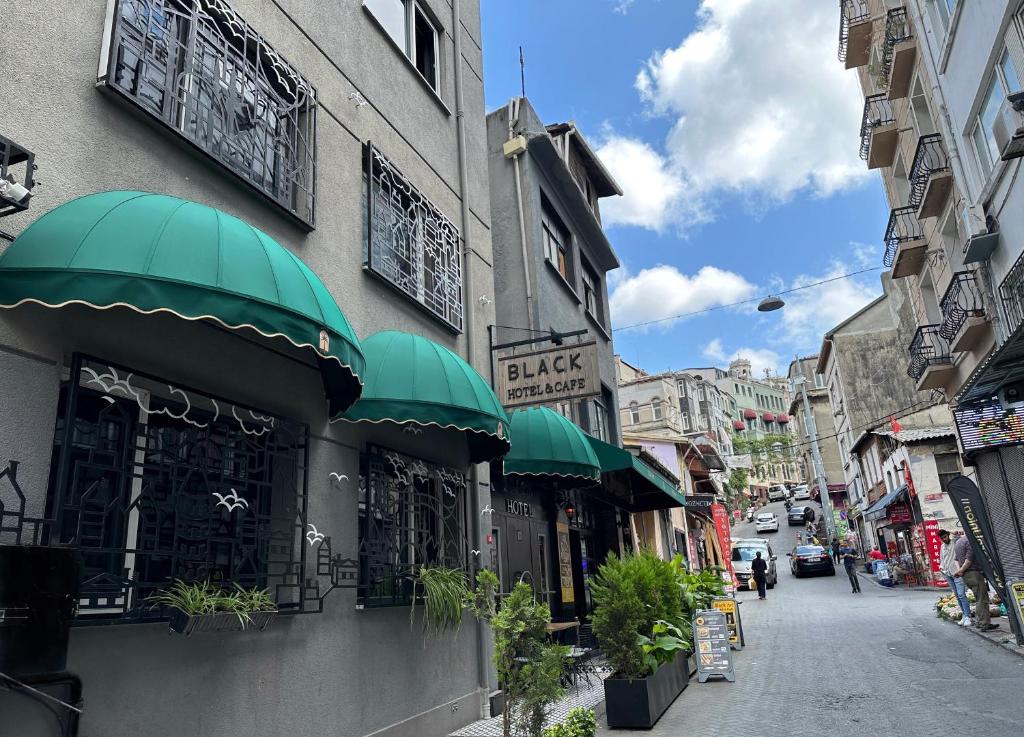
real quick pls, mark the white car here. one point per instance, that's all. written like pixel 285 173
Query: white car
pixel 801 493
pixel 766 522
pixel 777 493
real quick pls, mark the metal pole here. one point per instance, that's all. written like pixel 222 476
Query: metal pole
pixel 819 467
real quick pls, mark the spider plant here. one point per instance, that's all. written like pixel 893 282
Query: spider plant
pixel 256 600
pixel 445 594
pixel 190 598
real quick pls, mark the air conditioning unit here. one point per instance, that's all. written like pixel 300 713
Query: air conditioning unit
pixel 1008 127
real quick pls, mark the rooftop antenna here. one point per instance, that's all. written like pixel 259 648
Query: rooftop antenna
pixel 522 73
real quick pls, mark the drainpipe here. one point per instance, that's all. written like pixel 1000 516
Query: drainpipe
pixel 483 677
pixel 513 120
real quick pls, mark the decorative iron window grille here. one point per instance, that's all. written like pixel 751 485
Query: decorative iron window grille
pixel 903 227
pixel 961 300
pixel 929 158
pixel 877 112
pixel 201 70
pixel 897 30
pixel 851 12
pixel 1011 294
pixel 15 163
pixel 411 514
pixel 928 348
pixel 152 481
pixel 410 243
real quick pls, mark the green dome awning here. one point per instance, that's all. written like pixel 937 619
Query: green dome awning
pixel 544 443
pixel 412 380
pixel 649 489
pixel 156 253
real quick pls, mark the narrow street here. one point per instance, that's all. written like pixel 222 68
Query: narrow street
pixel 822 661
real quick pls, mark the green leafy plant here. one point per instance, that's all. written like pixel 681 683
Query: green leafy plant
pixel 445 594
pixel 196 599
pixel 579 722
pixel 665 642
pixel 698 588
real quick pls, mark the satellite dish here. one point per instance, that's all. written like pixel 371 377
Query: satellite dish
pixel 770 304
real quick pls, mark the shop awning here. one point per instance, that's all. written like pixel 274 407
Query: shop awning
pixel 544 443
pixel 649 488
pixel 413 381
pixel 155 253
pixel 878 509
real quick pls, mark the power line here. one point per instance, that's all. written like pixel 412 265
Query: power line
pixel 746 301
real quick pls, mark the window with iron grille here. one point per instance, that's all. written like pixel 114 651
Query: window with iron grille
pixel 153 482
pixel 410 243
pixel 204 72
pixel 410 515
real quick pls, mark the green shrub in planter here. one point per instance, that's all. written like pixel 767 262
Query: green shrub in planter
pixel 579 722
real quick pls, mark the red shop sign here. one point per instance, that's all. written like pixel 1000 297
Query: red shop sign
pixel 933 543
pixel 899 512
pixel 721 517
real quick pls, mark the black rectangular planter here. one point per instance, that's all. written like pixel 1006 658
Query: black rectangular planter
pixel 186 624
pixel 639 704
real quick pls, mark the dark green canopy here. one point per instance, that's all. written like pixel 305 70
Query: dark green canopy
pixel 544 443
pixel 640 476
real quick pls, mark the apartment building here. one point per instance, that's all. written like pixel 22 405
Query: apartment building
pixel 803 377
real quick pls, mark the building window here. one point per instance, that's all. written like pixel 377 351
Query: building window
pixel 592 293
pixel 634 413
pixel 411 514
pixel 656 408
pixel 151 482
pixel 203 72
pixel 409 26
pixel 682 391
pixel 687 426
pixel 409 242
pixel 947 466
pixel 555 238
pixel 1004 82
pixel 600 421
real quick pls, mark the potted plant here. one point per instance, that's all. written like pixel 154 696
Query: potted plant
pixel 445 594
pixel 202 607
pixel 638 620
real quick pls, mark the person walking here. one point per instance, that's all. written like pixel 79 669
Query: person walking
pixel 835 549
pixel 948 567
pixel 968 568
pixel 849 554
pixel 759 567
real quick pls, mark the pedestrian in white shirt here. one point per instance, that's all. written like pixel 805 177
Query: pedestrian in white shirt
pixel 948 568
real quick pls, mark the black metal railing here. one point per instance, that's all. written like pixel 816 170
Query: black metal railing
pixel 851 12
pixel 929 158
pixel 897 30
pixel 961 300
pixel 1011 294
pixel 877 112
pixel 903 227
pixel 928 348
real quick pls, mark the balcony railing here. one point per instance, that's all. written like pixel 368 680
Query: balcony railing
pixel 897 30
pixel 928 348
pixel 962 300
pixel 851 12
pixel 877 112
pixel 903 227
pixel 929 158
pixel 1011 293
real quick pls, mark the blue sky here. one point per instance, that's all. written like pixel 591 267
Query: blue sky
pixel 734 132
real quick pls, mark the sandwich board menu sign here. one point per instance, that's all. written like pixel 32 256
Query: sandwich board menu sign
pixel 731 609
pixel 711 642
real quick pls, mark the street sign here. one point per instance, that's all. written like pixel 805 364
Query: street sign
pixel 731 609
pixel 551 375
pixel 711 642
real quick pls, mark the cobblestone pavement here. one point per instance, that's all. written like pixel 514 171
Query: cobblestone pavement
pixel 822 662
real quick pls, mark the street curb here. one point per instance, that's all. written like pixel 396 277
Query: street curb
pixel 903 587
pixel 1006 644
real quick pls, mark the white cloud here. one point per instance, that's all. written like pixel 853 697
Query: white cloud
pixel 810 313
pixel 663 292
pixel 760 359
pixel 759 106
pixel 622 6
pixel 714 350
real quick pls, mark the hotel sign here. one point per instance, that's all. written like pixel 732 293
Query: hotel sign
pixel 552 375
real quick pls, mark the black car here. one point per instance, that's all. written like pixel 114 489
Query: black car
pixel 810 559
pixel 797 516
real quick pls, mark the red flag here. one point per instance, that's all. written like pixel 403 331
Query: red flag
pixel 894 424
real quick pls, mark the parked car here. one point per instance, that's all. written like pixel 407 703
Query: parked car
pixel 801 493
pixel 797 516
pixel 743 553
pixel 766 522
pixel 810 559
pixel 777 493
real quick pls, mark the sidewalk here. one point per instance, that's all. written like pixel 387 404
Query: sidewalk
pixel 1003 637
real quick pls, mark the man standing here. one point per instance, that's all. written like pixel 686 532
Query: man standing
pixel 850 564
pixel 948 567
pixel 759 567
pixel 963 554
pixel 835 549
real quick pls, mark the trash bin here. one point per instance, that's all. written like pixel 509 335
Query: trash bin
pixel 38 601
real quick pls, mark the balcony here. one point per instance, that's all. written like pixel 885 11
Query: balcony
pixel 930 360
pixel 930 177
pixel 964 323
pixel 899 52
pixel 854 32
pixel 878 133
pixel 1011 294
pixel 905 245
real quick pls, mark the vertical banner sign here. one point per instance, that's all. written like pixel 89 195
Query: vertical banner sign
pixel 565 563
pixel 933 544
pixel 970 508
pixel 711 641
pixel 1017 598
pixel 731 609
pixel 721 517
